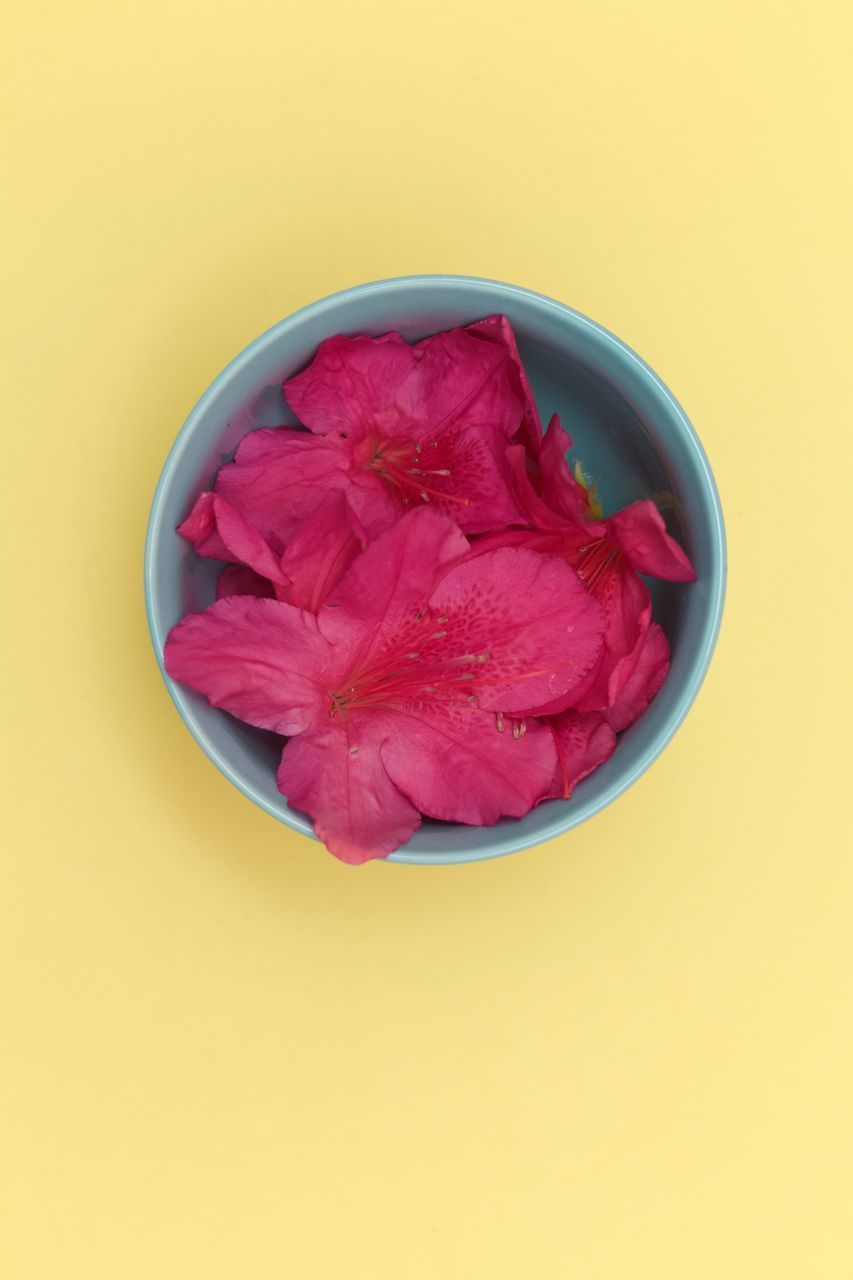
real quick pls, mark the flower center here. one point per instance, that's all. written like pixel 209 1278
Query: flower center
pixel 594 560
pixel 423 661
pixel 411 469
pixel 418 665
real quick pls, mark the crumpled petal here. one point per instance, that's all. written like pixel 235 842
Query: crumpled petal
pixel 337 776
pixel 454 762
pixel 647 675
pixel 583 741
pixel 262 660
pixel 640 534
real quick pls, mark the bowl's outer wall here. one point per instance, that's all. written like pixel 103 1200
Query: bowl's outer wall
pixel 628 430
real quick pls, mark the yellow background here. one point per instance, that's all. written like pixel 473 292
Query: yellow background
pixel 625 1054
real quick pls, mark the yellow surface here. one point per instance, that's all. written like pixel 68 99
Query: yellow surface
pixel 627 1054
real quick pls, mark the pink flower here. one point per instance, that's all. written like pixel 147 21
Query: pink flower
pixel 400 696
pixel 608 554
pixel 393 426
pixel 322 548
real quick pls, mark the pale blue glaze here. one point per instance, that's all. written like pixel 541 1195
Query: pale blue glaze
pixel 629 431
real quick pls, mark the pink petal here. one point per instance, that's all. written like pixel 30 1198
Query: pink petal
pixel 244 544
pixel 200 529
pixel 498 329
pixel 556 484
pixel 627 610
pixel 262 660
pixel 640 533
pixel 237 580
pixel 542 517
pixel 464 377
pixel 648 674
pixel 321 550
pixel 541 628
pixel 385 387
pixel 336 775
pixel 454 762
pixel 279 476
pixel 390 580
pixel 218 529
pixel 583 742
pixel 353 385
pixel 480 477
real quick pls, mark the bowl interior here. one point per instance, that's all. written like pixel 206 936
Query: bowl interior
pixel 628 431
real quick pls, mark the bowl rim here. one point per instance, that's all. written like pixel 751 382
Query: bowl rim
pixel 577 810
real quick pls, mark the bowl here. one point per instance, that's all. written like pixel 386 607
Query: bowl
pixel 628 429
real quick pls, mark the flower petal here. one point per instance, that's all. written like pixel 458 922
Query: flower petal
pixel 640 534
pixel 219 530
pixel 498 329
pixel 541 628
pixel 393 577
pixel 480 477
pixel 200 529
pixel 353 385
pixel 237 580
pixel 648 674
pixel 465 377
pixel 336 775
pixel 262 660
pixel 452 760
pixel 583 742
pixel 556 482
pixel 244 544
pixel 321 550
pixel 627 609
pixel 279 476
pixel 572 527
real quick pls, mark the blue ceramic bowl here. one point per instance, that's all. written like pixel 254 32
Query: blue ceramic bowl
pixel 629 431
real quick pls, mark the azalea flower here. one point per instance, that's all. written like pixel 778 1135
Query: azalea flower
pixel 394 426
pixel 318 554
pixel 564 519
pixel 402 695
